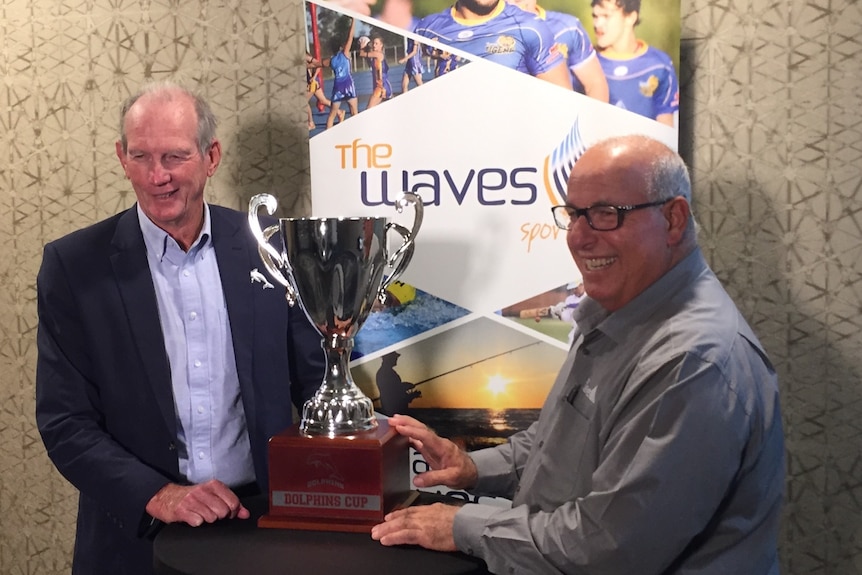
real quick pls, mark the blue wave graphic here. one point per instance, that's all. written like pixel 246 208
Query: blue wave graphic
pixel 563 158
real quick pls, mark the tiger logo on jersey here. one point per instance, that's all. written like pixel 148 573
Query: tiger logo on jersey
pixel 503 45
pixel 649 87
pixel 562 49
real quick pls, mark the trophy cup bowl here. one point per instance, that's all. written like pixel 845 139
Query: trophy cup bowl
pixel 340 468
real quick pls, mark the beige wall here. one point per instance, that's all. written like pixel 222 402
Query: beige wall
pixel 771 125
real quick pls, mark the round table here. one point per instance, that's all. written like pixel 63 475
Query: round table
pixel 239 547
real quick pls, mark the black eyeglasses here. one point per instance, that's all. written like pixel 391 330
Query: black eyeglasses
pixel 600 217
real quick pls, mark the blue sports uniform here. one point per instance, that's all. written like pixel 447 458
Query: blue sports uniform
pixel 572 41
pixel 445 63
pixel 508 36
pixel 342 81
pixel 644 82
pixel 413 66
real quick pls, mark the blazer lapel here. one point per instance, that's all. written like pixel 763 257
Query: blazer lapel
pixel 235 263
pixel 132 273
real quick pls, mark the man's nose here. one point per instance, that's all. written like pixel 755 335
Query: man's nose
pixel 159 175
pixel 580 230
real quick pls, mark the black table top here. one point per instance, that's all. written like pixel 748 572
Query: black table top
pixel 239 547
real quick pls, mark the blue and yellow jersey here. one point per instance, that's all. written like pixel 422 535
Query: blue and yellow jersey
pixel 572 40
pixel 313 84
pixel 644 82
pixel 508 36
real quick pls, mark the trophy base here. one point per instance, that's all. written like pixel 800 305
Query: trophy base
pixel 270 521
pixel 345 483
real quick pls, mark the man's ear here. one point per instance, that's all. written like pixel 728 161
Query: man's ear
pixel 677 213
pixel 214 157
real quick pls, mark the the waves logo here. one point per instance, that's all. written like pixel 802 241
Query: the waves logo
pixel 489 185
pixel 559 164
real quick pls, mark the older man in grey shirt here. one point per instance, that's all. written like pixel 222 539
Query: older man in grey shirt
pixel 659 449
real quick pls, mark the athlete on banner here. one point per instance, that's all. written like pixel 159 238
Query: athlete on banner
pixel 343 89
pixel 574 43
pixel 641 78
pixel 413 68
pixel 502 33
pixel 373 52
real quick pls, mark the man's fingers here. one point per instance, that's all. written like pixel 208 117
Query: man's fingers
pixel 196 504
pixel 427 525
pixel 208 502
pixel 397 529
pixel 431 478
pixel 406 421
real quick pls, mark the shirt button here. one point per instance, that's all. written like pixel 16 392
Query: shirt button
pixel 201 455
pixel 187 273
pixel 193 316
pixel 542 443
pixel 197 363
pixel 200 409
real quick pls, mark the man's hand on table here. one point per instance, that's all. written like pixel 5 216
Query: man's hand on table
pixel 196 504
pixel 429 526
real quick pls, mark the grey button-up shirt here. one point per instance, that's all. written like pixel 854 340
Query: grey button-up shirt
pixel 659 449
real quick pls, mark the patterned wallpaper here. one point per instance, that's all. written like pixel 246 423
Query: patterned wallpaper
pixel 772 108
pixel 771 125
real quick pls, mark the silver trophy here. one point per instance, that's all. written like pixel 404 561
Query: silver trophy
pixel 334 269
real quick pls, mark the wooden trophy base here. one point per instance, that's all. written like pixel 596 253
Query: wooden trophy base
pixel 346 483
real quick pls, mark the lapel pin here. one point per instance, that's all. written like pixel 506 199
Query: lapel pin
pixel 257 277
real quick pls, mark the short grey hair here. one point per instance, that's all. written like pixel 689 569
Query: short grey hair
pixel 668 178
pixel 207 123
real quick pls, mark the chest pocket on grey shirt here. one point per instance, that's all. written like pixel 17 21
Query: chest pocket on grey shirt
pixel 565 452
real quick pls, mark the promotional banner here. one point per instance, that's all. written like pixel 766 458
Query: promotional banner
pixel 481 110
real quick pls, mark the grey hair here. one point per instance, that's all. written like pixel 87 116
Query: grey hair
pixel 206 133
pixel 669 178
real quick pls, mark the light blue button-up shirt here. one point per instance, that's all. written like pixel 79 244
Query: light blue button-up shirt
pixel 212 437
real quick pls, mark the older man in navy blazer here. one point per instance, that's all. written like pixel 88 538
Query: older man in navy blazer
pixel 165 363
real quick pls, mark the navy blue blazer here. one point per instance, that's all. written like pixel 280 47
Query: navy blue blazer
pixel 104 402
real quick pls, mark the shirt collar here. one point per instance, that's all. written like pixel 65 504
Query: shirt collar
pixel 157 240
pixel 590 315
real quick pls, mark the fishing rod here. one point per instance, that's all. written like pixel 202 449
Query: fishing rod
pixel 477 362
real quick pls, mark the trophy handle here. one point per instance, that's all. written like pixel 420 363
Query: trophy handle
pixel 273 261
pixel 402 256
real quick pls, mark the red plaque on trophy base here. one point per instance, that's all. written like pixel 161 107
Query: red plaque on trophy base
pixel 343 483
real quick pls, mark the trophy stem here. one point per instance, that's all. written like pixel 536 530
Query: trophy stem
pixel 338 407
